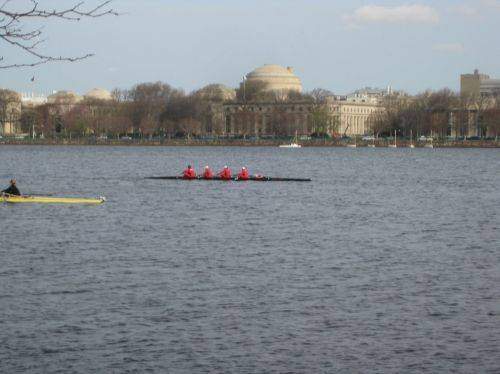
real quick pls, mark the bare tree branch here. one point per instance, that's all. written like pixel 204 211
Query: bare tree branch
pixel 16 32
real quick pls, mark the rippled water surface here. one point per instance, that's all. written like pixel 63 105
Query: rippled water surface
pixel 389 261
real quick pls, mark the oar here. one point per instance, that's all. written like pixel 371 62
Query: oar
pixel 39 194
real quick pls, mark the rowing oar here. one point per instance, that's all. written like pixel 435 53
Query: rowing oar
pixel 39 194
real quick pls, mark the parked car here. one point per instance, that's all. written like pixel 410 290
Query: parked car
pixel 126 138
pixel 368 137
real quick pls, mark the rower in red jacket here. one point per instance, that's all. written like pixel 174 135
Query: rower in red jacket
pixel 243 174
pixel 207 173
pixel 225 174
pixel 189 173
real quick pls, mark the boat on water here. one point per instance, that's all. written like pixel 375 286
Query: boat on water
pixel 291 145
pixel 411 140
pixel 429 142
pixel 395 145
pixel 253 178
pixel 50 200
pixel 294 144
pixel 372 145
pixel 352 145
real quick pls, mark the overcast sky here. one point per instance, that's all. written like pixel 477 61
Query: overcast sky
pixel 339 45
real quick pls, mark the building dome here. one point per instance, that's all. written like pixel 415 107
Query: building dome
pixel 217 92
pixel 276 78
pixel 98 94
pixel 64 97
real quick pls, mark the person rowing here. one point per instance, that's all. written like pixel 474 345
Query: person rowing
pixel 243 174
pixel 12 189
pixel 225 174
pixel 208 173
pixel 189 173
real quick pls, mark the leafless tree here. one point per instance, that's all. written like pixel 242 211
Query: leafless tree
pixel 147 103
pixel 320 95
pixel 17 29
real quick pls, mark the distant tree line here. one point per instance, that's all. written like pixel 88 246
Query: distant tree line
pixel 154 109
pixel 438 113
pixel 147 109
pixel 158 109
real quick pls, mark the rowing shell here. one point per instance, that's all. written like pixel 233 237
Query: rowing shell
pixel 252 178
pixel 50 200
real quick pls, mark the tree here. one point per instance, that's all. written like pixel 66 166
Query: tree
pixel 28 120
pixel 254 91
pixel 482 103
pixel 321 121
pixel 320 95
pixel 491 117
pixel 17 31
pixel 147 103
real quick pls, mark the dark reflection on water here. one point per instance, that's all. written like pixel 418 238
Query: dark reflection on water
pixel 389 261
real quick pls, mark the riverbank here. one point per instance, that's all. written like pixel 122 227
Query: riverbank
pixel 381 143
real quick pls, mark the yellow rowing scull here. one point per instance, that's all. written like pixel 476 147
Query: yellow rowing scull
pixel 50 200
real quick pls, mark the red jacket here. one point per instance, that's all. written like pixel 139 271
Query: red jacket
pixel 208 174
pixel 225 174
pixel 189 174
pixel 243 175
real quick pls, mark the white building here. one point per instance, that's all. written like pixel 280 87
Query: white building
pixel 33 99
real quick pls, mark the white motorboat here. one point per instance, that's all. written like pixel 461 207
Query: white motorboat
pixel 411 140
pixel 294 144
pixel 395 145
pixel 291 145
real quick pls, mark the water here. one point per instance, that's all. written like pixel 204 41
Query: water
pixel 389 261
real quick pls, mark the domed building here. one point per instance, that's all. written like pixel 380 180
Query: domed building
pixel 277 78
pixel 98 94
pixel 216 92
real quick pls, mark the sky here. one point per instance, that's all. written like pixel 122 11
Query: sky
pixel 337 45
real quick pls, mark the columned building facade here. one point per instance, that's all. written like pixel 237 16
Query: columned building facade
pixel 356 118
pixel 268 119
pixel 10 112
pixel 290 118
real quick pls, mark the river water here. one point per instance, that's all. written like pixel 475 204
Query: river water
pixel 389 261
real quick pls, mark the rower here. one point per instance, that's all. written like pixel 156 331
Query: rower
pixel 189 173
pixel 225 174
pixel 243 174
pixel 207 173
pixel 12 189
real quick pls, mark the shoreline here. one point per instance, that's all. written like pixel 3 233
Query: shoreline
pixel 244 143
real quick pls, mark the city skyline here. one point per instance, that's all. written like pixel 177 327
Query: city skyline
pixel 340 47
